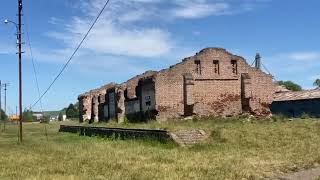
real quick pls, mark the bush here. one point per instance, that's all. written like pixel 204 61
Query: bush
pixel 305 115
pixel 72 112
pixel 290 85
pixel 141 117
pixel 28 116
pixel 3 115
pixel 60 118
pixel 46 119
pixel 217 135
pixel 279 117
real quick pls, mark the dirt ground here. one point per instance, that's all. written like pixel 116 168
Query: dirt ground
pixel 311 174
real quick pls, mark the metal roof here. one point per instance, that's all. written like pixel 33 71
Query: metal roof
pixel 297 95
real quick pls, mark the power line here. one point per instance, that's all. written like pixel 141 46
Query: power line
pixel 266 68
pixel 35 75
pixel 33 64
pixel 269 72
pixel 73 54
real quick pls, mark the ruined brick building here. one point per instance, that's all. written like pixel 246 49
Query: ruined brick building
pixel 213 82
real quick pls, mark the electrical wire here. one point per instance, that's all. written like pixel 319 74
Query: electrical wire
pixel 36 75
pixel 73 54
pixel 33 65
pixel 269 72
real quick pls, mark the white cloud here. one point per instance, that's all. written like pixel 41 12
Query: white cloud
pixel 126 29
pixel 295 57
pixel 300 67
pixel 109 36
pixel 120 31
pixel 314 77
pixel 305 56
pixel 199 10
pixel 55 21
pixel 132 16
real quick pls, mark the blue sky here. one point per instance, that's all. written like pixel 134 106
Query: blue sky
pixel 133 36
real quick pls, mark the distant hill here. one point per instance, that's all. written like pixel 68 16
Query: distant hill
pixel 53 113
pixel 56 113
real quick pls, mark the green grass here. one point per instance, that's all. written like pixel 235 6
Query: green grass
pixel 236 149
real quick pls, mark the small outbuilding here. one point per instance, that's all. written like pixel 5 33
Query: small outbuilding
pixel 295 104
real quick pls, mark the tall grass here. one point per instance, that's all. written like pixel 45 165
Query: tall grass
pixel 236 149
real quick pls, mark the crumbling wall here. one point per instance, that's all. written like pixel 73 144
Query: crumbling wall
pixel 218 98
pixel 112 104
pixel 217 86
pixel 84 107
pixel 132 106
pixel 92 104
pixel 121 108
pixel 102 106
pixel 169 92
pixel 262 93
pixel 213 82
pixel 261 89
pixel 132 84
pixel 148 102
pixel 217 90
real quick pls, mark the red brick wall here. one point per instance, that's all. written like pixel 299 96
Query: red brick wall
pixel 169 92
pixel 132 83
pixel 213 93
pixel 84 107
pixel 216 97
pixel 261 89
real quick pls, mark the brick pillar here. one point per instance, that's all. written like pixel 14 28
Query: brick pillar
pixel 85 102
pixel 81 109
pixel 188 95
pixel 246 93
pixel 121 112
pixel 95 109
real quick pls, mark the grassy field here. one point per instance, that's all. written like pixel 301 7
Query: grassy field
pixel 237 149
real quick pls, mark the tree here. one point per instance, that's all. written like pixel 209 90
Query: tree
pixel 317 83
pixel 72 111
pixel 290 85
pixel 3 115
pixel 28 116
pixel 60 118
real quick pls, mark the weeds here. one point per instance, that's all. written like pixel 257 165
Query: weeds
pixel 236 149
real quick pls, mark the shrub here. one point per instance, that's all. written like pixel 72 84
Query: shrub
pixel 305 115
pixel 72 111
pixel 217 135
pixel 279 117
pixel 290 85
pixel 60 118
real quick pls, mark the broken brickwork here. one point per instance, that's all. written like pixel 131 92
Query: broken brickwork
pixel 214 82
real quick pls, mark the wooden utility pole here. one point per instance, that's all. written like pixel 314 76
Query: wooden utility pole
pixel 0 100
pixel 5 97
pixel 5 104
pixel 20 66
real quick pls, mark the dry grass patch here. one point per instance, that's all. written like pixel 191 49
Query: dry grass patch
pixel 236 149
